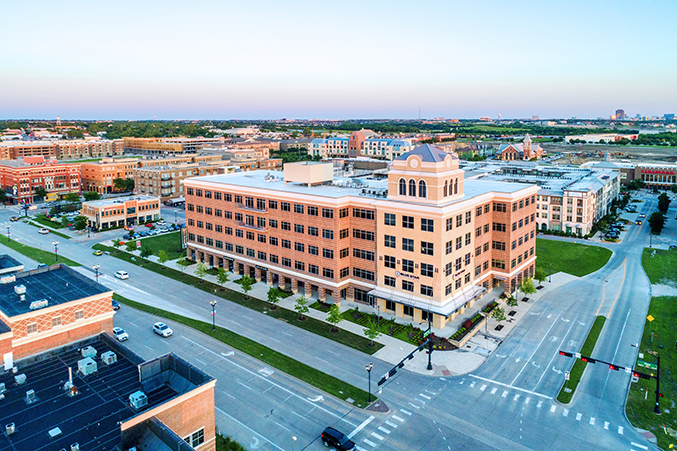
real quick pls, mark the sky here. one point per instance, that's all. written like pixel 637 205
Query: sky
pixel 260 59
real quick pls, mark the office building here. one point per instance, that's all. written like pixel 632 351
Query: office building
pixel 99 176
pixel 422 242
pixel 63 149
pixel 21 177
pixel 121 211
pixel 620 114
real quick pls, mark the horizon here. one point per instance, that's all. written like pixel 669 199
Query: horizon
pixel 381 59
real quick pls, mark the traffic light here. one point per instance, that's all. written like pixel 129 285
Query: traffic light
pixel 588 359
pixel 641 375
pixel 613 367
pixel 566 354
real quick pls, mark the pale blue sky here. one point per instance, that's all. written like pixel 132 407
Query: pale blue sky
pixel 350 59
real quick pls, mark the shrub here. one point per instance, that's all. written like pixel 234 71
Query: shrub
pixel 467 323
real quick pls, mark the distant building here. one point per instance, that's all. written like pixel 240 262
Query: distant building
pixel 99 176
pixel 166 182
pixel 121 211
pixel 657 176
pixel 360 143
pixel 620 114
pixel 64 149
pixel 167 146
pixel 669 116
pixel 21 177
pixel 525 151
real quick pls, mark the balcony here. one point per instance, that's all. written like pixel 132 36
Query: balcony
pixel 251 226
pixel 247 208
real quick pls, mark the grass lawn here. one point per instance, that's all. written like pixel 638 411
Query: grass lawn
pixel 571 258
pixel 53 232
pixel 38 255
pixel 310 324
pixel 662 268
pixel 306 373
pixel 579 365
pixel 42 219
pixel 168 242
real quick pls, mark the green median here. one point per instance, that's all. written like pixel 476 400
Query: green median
pixel 53 232
pixel 301 371
pixel 40 256
pixel 569 388
pixel 291 317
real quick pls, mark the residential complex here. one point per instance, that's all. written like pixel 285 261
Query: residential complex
pixel 21 177
pixel 166 146
pixel 525 151
pixel 99 176
pixel 424 240
pixel 121 211
pixel 62 149
pixel 569 199
pixel 166 182
pixel 360 143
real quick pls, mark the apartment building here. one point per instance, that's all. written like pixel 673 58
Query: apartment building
pixel 570 199
pixel 12 150
pixel 423 242
pixel 63 149
pixel 21 177
pixel 166 182
pixel 362 143
pixel 99 176
pixel 121 211
pixel 167 146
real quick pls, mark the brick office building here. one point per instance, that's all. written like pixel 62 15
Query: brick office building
pixel 21 177
pixel 423 241
pixel 121 211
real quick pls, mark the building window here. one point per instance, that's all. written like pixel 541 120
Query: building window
pixel 390 219
pixel 499 264
pixel 426 290
pixel 298 228
pixel 468 238
pixel 285 206
pixel 300 266
pixel 389 241
pixel 447 290
pixel 389 281
pixel 426 248
pixel 286 262
pixel 32 328
pixel 426 270
pixel 313 250
pixel 500 207
pixel 273 258
pixel 407 286
pixel 327 253
pixel 459 242
pixel 272 204
pixel 403 187
pixel 498 245
pixel 362 274
pixel 389 261
pixel 427 225
pixel 498 227
pixel 365 255
pixel 328 234
pixel 343 213
pixel 468 217
pixel 327 213
pixel 328 273
pixel 450 223
pixel 362 213
pixel 345 272
pixel 408 222
pixel 449 247
pixel 343 233
pixel 79 314
pixel 298 208
pixel 286 244
pixel 407 265
pixel 313 269
pixel 422 189
pixel 459 220
pixel 299 247
pixel 313 231
pixel 363 235
pixel 407 244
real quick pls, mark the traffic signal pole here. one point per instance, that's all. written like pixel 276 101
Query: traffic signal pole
pixel 657 407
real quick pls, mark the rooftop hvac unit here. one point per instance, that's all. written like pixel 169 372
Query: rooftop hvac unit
pixel 109 358
pixel 20 289
pixel 30 397
pixel 87 366
pixel 2 388
pixel 20 378
pixel 138 400
pixel 10 428
pixel 88 351
pixel 75 446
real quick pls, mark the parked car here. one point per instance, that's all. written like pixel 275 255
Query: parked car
pixel 122 274
pixel 43 231
pixel 161 222
pixel 116 305
pixel 149 225
pixel 162 329
pixel 120 334
pixel 336 439
pixel 97 252
pixel 14 219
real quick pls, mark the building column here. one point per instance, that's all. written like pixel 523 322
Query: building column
pixel 294 286
pixel 308 290
pixel 280 282
pixel 461 309
pixel 257 274
pixel 350 294
pixel 320 294
pixel 337 297
pixel 269 278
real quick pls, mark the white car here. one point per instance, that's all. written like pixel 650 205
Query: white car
pixel 162 329
pixel 43 231
pixel 122 274
pixel 120 334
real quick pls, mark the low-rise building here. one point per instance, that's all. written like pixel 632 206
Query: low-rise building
pixel 20 178
pixel 99 176
pixel 360 143
pixel 167 146
pixel 166 182
pixel 62 149
pixel 525 151
pixel 121 211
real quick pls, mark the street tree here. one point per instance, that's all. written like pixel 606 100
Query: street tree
pixel 673 188
pixel 273 297
pixel 302 307
pixel 80 223
pixel 182 264
pixel 246 283
pixel 201 270
pixel 3 195
pixel 117 242
pixel 223 276
pixel 511 301
pixel 334 317
pixel 119 184
pixel 372 332
pixel 91 195
pixel 657 222
pixel 162 257
pixel 498 314
pixel 130 246
pixel 40 192
pixel 129 185
pixel 663 203
pixel 72 198
pixel 146 252
pixel 540 275
pixel 527 286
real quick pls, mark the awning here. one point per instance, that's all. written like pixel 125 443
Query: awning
pixel 450 306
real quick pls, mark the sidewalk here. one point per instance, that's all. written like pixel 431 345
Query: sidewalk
pixel 445 363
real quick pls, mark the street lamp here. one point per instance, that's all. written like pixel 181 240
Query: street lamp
pixel 8 237
pixel 88 229
pixel 56 250
pixel 550 275
pixel 368 368
pixel 175 220
pixel 293 446
pixel 96 270
pixel 213 304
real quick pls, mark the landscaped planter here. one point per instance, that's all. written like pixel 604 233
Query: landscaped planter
pixel 467 331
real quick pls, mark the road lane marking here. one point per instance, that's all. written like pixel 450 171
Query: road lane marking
pixel 505 393
pixel 283 427
pixel 638 445
pixel 245 385
pixel 384 430
pixel 406 412
pixel 606 379
pixel 606 425
pixel 553 408
pixel 516 397
pixel 361 426
pixel 620 430
pixel 536 348
pixel 401 420
pixel 248 428
pixel 592 420
pixel 554 355
pixel 526 401
pixel 540 403
pixel 391 424
pixel 604 284
pixel 509 386
pixel 579 416
pixel 424 396
pixel 565 413
pixel 493 390
pixel 620 288
pixel 472 384
pixel 370 443
pixel 414 406
pixel 374 434
pixel 483 387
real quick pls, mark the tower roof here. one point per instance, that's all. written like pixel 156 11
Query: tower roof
pixel 427 153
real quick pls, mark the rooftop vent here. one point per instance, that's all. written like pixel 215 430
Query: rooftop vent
pixel 20 379
pixel 75 446
pixel 35 305
pixel 20 289
pixel 109 357
pixel 54 432
pixel 10 428
pixel 88 351
pixel 138 400
pixel 31 397
pixel 8 279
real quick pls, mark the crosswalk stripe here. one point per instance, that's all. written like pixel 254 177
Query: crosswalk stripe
pixel 374 434
pixel 370 443
pixel 638 445
pixel 483 387
pixel 566 412
pixel 472 384
pixel 620 430
pixel 540 403
pixel 493 390
pixel 592 420
pixel 505 393
pixel 579 416
pixel 391 424
pixel 553 408
pixel 384 430
pixel 516 397
pixel 401 420
pixel 406 412
pixel 424 396
pixel 414 406
pixel 606 425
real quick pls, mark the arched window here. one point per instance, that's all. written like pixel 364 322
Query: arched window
pixel 446 188
pixel 412 188
pixel 422 189
pixel 403 187
pixel 455 186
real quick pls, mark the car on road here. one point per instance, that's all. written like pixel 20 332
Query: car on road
pixel 638 222
pixel 162 329
pixel 97 252
pixel 122 274
pixel 43 231
pixel 120 334
pixel 14 219
pixel 642 215
pixel 116 305
pixel 336 439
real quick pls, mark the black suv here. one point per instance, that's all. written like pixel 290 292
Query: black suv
pixel 336 439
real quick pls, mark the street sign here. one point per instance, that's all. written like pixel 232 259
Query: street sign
pixel 651 366
pixel 566 376
pixel 138 243
pixel 426 333
pixel 650 318
pixel 577 355
pixel 628 370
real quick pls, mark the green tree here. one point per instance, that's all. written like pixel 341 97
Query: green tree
pixel 223 276
pixel 511 301
pixel 673 188
pixel 334 317
pixel 657 222
pixel 40 192
pixel 3 195
pixel 372 332
pixel 527 286
pixel 91 195
pixel 119 184
pixel 307 131
pixel 498 314
pixel 72 198
pixel 80 223
pixel 129 185
pixel 146 252
pixel 117 242
pixel 274 297
pixel 663 203
pixel 302 307
pixel 636 184
pixel 201 270
pixel 540 275
pixel 246 283
pixel 162 257
pixel 75 133
pixel 131 246
pixel 182 264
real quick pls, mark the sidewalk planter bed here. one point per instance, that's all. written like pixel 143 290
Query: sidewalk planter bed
pixel 321 306
pixel 490 308
pixel 467 330
pixel 310 324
